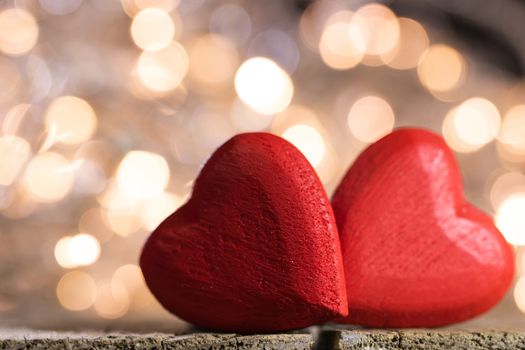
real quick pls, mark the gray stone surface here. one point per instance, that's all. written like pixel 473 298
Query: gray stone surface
pixel 346 339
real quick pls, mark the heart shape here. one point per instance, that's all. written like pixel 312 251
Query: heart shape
pixel 255 249
pixel 415 253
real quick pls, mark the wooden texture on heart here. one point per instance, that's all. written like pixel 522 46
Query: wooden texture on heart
pixel 255 249
pixel 415 252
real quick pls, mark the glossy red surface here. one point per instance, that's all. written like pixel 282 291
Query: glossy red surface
pixel 256 247
pixel 415 253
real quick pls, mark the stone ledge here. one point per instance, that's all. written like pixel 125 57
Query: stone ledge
pixel 330 339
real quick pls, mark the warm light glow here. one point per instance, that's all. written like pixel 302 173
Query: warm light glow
pixel 214 60
pixel 375 29
pixel 132 7
pixel 510 219
pixel 142 175
pixel 18 31
pixel 79 250
pixel 412 43
pixel 48 177
pixel 14 152
pixel 93 221
pixel 164 70
pixel 246 119
pixel 370 118
pixel 519 294
pixel 122 211
pixel 441 68
pixel 11 81
pixel 232 21
pixel 155 210
pixel 263 85
pixel 506 185
pixel 129 276
pixel 308 140
pixel 14 117
pixel 152 29
pixel 337 45
pixel 512 131
pixel 76 291
pixel 471 125
pixel 112 300
pixel 72 120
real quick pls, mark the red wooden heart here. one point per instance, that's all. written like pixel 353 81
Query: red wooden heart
pixel 255 249
pixel 415 252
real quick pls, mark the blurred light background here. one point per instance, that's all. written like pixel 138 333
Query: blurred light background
pixel 108 109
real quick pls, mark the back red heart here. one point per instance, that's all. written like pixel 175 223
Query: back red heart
pixel 256 247
pixel 415 253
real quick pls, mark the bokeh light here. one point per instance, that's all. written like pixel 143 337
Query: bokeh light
pixel 132 7
pixel 338 46
pixel 471 125
pixel 512 131
pixel 129 276
pixel 14 152
pixel 510 219
pixel 504 186
pixel 71 119
pixel 79 250
pixel 112 299
pixel 370 118
pixel 152 29
pixel 263 85
pixel 246 119
pixel 48 177
pixel 375 30
pixel 232 21
pixel 164 70
pixel 413 42
pixel 18 31
pixel 60 7
pixel 159 208
pixel 519 294
pixel 308 140
pixel 441 68
pixel 214 60
pixel 76 291
pixel 142 175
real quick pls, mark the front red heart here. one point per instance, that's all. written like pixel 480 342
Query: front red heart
pixel 415 252
pixel 255 249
